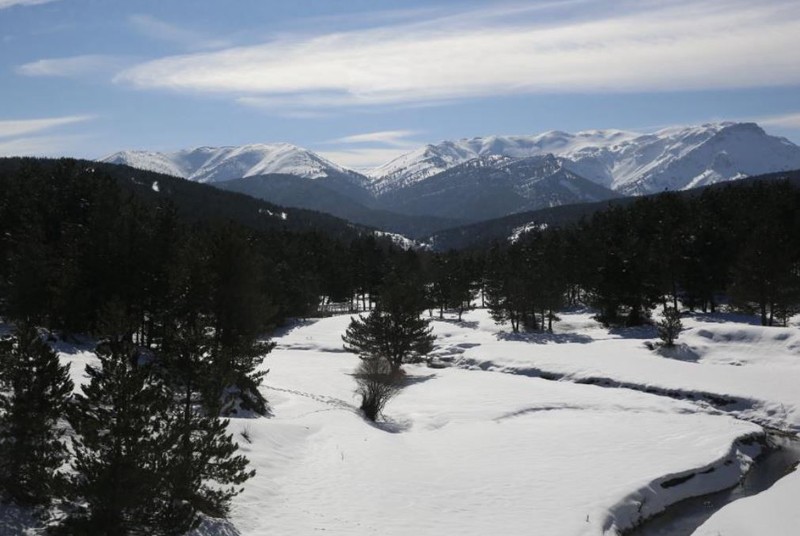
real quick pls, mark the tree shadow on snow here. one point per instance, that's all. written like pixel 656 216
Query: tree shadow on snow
pixel 390 425
pixel 647 331
pixel 292 325
pixel 413 380
pixel 679 352
pixel 544 337
pixel 728 318
pixel 213 527
pixel 469 324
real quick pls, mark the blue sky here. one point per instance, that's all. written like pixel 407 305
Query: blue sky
pixel 363 81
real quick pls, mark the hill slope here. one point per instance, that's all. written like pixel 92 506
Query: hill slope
pixel 493 186
pixel 483 233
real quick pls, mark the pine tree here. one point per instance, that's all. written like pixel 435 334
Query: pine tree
pixel 670 326
pixel 506 293
pixel 37 390
pixel 393 331
pixel 204 472
pixel 123 445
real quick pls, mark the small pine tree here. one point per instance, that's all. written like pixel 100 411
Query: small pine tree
pixel 37 392
pixel 394 331
pixel 397 339
pixel 670 326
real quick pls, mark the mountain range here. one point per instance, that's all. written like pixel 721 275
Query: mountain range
pixel 468 180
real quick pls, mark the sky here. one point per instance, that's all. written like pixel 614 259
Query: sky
pixel 361 81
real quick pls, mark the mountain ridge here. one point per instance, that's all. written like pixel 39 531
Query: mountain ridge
pixel 630 163
pixel 207 164
pixel 484 177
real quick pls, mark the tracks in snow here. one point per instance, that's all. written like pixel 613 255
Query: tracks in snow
pixel 323 399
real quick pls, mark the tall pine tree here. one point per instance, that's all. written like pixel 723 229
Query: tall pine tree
pixel 122 446
pixel 204 472
pixel 37 390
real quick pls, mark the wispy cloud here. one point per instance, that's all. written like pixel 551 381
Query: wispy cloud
pixel 33 137
pixel 21 127
pixel 42 145
pixel 166 31
pixel 71 66
pixel 791 121
pixel 395 138
pixel 8 3
pixel 509 49
pixel 371 149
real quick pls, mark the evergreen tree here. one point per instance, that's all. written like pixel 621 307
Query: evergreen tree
pixel 394 330
pixel 122 448
pixel 670 326
pixel 37 390
pixel 505 288
pixel 204 473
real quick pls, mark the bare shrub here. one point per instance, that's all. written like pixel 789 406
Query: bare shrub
pixel 377 384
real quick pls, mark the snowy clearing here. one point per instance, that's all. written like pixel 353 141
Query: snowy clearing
pixel 484 446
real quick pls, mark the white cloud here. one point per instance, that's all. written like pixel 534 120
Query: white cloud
pixel 70 66
pixel 8 3
pixel 165 31
pixel 371 149
pixel 791 121
pixel 21 127
pixel 395 138
pixel 29 137
pixel 41 145
pixel 546 48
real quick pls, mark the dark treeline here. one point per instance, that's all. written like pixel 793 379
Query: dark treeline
pixel 74 241
pixel 739 244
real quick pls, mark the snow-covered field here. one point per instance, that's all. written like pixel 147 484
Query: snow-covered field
pixel 484 446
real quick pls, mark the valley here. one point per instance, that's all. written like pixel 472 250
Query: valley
pixel 487 444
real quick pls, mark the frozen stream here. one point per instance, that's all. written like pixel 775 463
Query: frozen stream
pixel 684 517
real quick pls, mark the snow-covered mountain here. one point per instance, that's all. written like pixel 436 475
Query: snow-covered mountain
pixel 493 186
pixel 479 178
pixel 217 164
pixel 628 162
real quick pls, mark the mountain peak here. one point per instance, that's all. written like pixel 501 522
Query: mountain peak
pixel 216 164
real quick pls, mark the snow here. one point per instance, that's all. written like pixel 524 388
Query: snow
pixel 481 451
pixel 517 232
pixel 400 240
pixel 674 158
pixel 631 163
pixel 755 369
pixel 491 445
pixel 216 164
